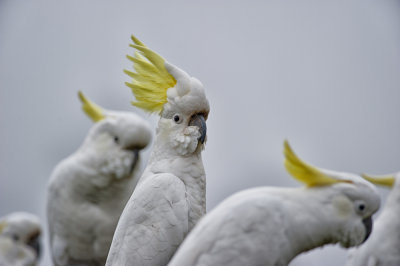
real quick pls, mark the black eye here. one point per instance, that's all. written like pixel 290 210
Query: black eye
pixel 116 139
pixel 361 207
pixel 177 119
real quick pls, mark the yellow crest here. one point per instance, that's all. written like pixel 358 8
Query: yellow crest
pixel 91 109
pixel 151 80
pixel 387 180
pixel 2 226
pixel 304 172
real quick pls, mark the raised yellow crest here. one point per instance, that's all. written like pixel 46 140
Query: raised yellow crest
pixel 387 180
pixel 91 109
pixel 304 172
pixel 151 80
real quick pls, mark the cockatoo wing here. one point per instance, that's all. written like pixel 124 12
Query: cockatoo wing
pixel 142 238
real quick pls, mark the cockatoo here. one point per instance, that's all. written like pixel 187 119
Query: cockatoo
pixel 19 239
pixel 88 190
pixel 170 196
pixel 383 246
pixel 271 226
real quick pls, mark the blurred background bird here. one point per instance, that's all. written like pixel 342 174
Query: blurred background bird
pixel 383 246
pixel 171 195
pixel 271 226
pixel 324 74
pixel 20 239
pixel 88 190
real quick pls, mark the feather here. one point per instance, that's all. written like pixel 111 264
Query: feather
pixel 304 172
pixel 387 181
pixel 151 80
pixel 91 109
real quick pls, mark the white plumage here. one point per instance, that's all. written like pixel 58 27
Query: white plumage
pixel 88 190
pixel 170 196
pixel 271 226
pixel 383 246
pixel 19 239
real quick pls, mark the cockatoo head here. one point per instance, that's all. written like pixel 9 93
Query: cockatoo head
pixel 160 87
pixel 345 201
pixel 115 139
pixel 23 228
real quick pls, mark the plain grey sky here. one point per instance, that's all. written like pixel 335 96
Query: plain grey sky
pixel 324 74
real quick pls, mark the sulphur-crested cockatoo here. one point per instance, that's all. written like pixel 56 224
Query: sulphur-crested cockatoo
pixel 271 226
pixel 383 246
pixel 19 239
pixel 88 190
pixel 170 196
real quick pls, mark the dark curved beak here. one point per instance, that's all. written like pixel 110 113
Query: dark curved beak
pixel 34 243
pixel 198 120
pixel 135 160
pixel 368 227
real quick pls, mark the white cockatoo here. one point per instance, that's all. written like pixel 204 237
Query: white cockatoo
pixel 19 239
pixel 383 246
pixel 271 226
pixel 88 190
pixel 170 196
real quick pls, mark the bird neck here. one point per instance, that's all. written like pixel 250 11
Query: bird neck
pixel 388 220
pixel 188 168
pixel 307 227
pixel 393 199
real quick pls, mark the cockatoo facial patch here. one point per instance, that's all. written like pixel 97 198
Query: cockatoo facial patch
pixel 120 166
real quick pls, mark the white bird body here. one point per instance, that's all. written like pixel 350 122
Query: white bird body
pixel 383 246
pixel 88 190
pixel 271 226
pixel 19 239
pixel 170 196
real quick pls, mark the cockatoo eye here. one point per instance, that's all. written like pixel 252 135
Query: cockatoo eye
pixel 116 139
pixel 177 118
pixel 360 206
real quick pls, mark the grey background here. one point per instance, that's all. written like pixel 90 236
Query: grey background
pixel 324 74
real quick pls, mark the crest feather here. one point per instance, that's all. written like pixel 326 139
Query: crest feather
pixel 151 80
pixel 387 180
pixel 304 172
pixel 3 224
pixel 91 109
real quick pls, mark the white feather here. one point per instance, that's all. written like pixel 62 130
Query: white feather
pixel 170 196
pixel 17 233
pixel 383 246
pixel 88 190
pixel 271 226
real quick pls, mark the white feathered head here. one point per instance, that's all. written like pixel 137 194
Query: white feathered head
pixel 346 199
pixel 23 228
pixel 160 87
pixel 115 139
